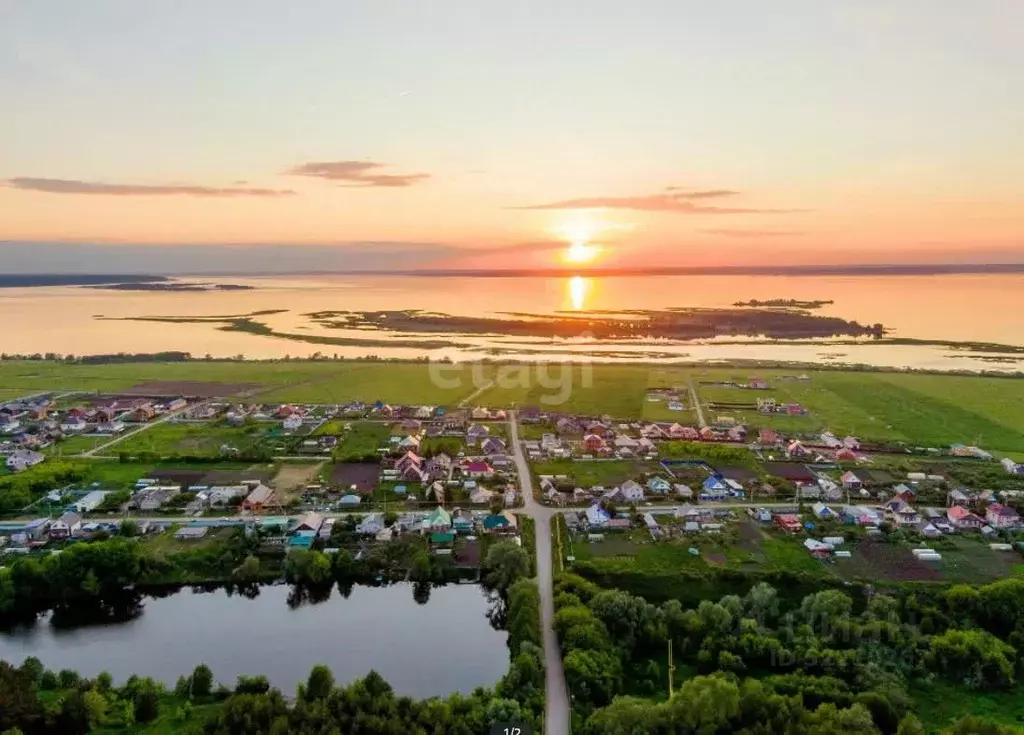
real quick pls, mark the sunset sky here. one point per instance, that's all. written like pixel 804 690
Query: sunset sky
pixel 487 133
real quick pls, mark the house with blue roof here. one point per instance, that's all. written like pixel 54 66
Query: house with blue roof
pixel 714 488
pixel 350 500
pixel 301 540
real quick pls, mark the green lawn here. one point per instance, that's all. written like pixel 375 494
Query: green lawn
pixel 604 473
pixel 334 427
pixel 362 440
pixel 293 381
pixel 201 440
pixel 612 389
pixel 397 383
pixel 937 704
pixel 77 445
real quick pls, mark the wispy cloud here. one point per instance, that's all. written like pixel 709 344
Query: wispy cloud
pixel 682 191
pixel 676 202
pixel 356 173
pixel 71 186
pixel 753 233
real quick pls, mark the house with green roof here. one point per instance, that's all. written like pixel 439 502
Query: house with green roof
pixel 500 522
pixel 438 520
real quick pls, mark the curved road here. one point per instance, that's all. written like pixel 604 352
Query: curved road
pixel 556 709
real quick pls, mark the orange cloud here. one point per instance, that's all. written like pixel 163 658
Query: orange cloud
pixel 752 233
pixel 675 203
pixel 70 186
pixel 355 173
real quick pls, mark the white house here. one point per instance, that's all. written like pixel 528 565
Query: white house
pixel 65 526
pixel 1012 467
pixel 631 491
pixel 292 423
pixel 88 502
pixel 9 426
pixel 371 525
pixel 21 459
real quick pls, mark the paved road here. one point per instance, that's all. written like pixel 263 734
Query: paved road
pixel 556 712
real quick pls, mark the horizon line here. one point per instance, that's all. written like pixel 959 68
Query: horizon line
pixel 852 269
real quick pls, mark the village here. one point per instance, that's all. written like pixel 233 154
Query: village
pixel 188 465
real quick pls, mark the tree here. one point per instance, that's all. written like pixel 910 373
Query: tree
pixel 73 716
pixel 129 528
pixel 96 706
pixel 910 725
pixel 976 657
pixel 305 567
pixel 505 563
pixel 19 702
pixel 829 720
pixel 104 682
pixel 183 687
pixel 594 677
pixel 971 725
pixel 68 679
pixel 252 685
pixel 420 570
pixel 626 716
pixel 144 694
pixel 33 668
pixel 319 684
pixel 706 703
pixel 202 681
pixel 248 570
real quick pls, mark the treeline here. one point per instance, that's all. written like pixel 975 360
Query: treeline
pixel 93 575
pixel 759 667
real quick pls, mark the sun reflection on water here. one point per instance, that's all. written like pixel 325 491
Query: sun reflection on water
pixel 579 288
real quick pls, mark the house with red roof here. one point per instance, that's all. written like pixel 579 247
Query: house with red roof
pixel 963 519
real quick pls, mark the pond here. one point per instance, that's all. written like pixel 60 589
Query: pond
pixel 422 650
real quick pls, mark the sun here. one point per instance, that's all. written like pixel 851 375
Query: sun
pixel 579 230
pixel 580 252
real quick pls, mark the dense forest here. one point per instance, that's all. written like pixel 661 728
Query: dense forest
pixel 760 664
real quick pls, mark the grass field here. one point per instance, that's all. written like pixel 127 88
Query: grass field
pixel 77 445
pixel 362 440
pixel 937 704
pixel 931 410
pixel 917 409
pixel 201 440
pixel 604 473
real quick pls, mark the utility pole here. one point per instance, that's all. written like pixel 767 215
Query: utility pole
pixel 671 668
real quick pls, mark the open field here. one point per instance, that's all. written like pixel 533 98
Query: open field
pixel 292 477
pixel 77 445
pixel 289 382
pixel 189 439
pixel 933 410
pixel 362 440
pixel 606 473
pixel 891 406
pixel 364 475
pixel 613 389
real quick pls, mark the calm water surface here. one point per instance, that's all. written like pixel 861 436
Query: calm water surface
pixel 986 308
pixel 443 646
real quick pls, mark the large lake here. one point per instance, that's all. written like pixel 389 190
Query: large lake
pixel 984 308
pixel 424 650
